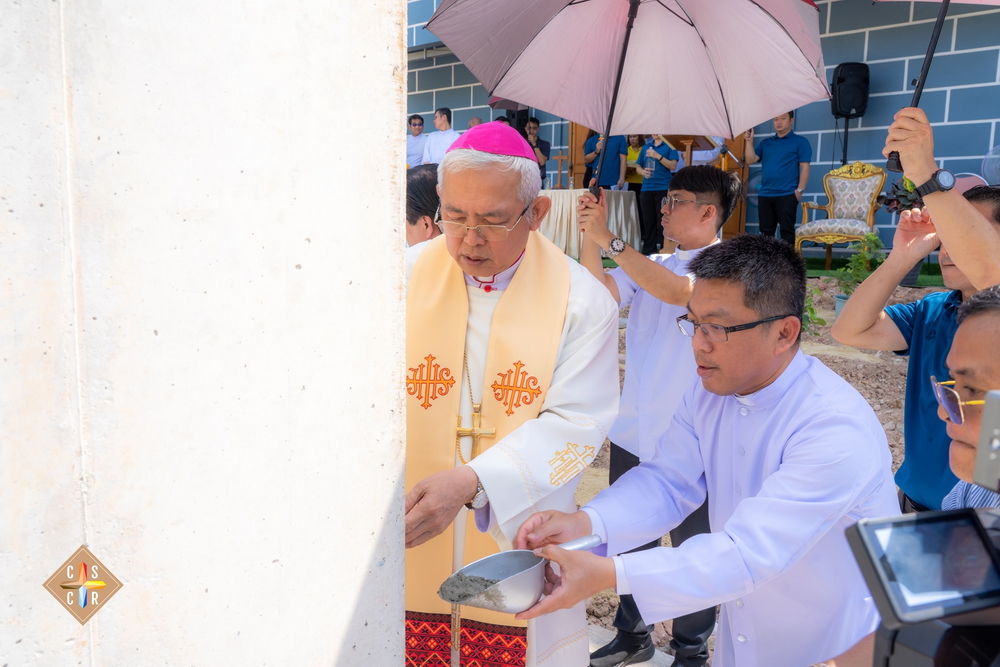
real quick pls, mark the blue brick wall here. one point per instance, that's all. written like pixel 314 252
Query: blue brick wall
pixel 961 97
pixel 437 79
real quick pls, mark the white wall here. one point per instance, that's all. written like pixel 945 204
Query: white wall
pixel 201 326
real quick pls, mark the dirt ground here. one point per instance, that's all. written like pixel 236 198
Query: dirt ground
pixel 879 376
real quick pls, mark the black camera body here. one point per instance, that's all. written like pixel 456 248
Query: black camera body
pixel 935 576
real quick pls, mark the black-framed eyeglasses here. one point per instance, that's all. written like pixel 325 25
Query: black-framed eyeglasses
pixel 949 399
pixel 485 232
pixel 416 124
pixel 718 333
pixel 670 201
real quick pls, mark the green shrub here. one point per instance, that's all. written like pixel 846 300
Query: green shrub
pixel 866 258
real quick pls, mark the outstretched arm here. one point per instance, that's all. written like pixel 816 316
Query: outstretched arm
pixel 590 256
pixel 864 322
pixel 661 282
pixel 749 156
pixel 973 242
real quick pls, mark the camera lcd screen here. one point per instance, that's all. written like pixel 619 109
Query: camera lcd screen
pixel 936 563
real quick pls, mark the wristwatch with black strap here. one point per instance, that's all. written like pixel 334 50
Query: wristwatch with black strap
pixel 942 181
pixel 479 500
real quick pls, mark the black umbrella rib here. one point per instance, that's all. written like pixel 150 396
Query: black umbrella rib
pixel 722 93
pixel 682 18
pixel 780 25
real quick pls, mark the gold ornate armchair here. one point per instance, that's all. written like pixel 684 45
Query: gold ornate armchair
pixel 852 191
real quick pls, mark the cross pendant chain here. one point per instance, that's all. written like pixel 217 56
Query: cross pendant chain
pixel 477 431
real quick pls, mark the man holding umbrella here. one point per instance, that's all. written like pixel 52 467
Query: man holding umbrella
pixel 659 367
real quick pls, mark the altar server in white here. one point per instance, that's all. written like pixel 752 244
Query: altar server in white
pixel 519 344
pixel 659 368
pixel 788 454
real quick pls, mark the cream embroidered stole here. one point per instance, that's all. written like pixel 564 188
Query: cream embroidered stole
pixel 521 358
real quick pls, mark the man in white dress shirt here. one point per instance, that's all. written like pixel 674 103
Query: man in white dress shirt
pixel 439 142
pixel 788 454
pixel 659 367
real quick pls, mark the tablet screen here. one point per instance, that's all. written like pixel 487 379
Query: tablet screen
pixel 937 562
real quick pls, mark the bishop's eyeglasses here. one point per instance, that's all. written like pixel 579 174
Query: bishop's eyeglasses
pixel 486 232
pixel 949 399
pixel 716 332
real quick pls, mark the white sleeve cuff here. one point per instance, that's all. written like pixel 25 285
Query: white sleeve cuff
pixel 621 583
pixel 596 524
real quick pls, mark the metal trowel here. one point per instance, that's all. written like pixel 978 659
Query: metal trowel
pixel 509 582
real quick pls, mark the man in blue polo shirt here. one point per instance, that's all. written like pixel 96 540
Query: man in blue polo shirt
pixel 923 330
pixel 614 163
pixel 784 161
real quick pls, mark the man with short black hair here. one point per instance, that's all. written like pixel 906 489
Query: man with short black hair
pixel 784 174
pixel 439 142
pixel 788 455
pixel 659 367
pixel 921 330
pixel 540 147
pixel 415 142
pixel 974 363
pixel 422 204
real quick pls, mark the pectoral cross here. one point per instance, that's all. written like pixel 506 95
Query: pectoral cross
pixel 476 431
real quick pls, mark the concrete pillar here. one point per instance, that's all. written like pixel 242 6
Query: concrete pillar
pixel 201 329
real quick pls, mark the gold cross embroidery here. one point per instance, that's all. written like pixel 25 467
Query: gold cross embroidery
pixel 570 462
pixel 476 431
pixel 429 382
pixel 515 388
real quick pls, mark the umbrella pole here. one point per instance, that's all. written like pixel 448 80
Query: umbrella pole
pixel 633 9
pixel 893 163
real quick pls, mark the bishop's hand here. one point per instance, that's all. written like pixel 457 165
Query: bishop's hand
pixel 433 503
pixel 581 575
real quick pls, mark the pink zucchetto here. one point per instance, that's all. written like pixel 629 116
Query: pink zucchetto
pixel 495 138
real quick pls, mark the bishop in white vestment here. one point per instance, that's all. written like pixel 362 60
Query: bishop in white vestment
pixel 512 384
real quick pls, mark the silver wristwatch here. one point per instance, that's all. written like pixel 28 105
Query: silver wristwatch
pixel 479 500
pixel 616 247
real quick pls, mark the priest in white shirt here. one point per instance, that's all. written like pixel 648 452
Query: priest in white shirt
pixel 439 142
pixel 659 367
pixel 520 344
pixel 788 454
